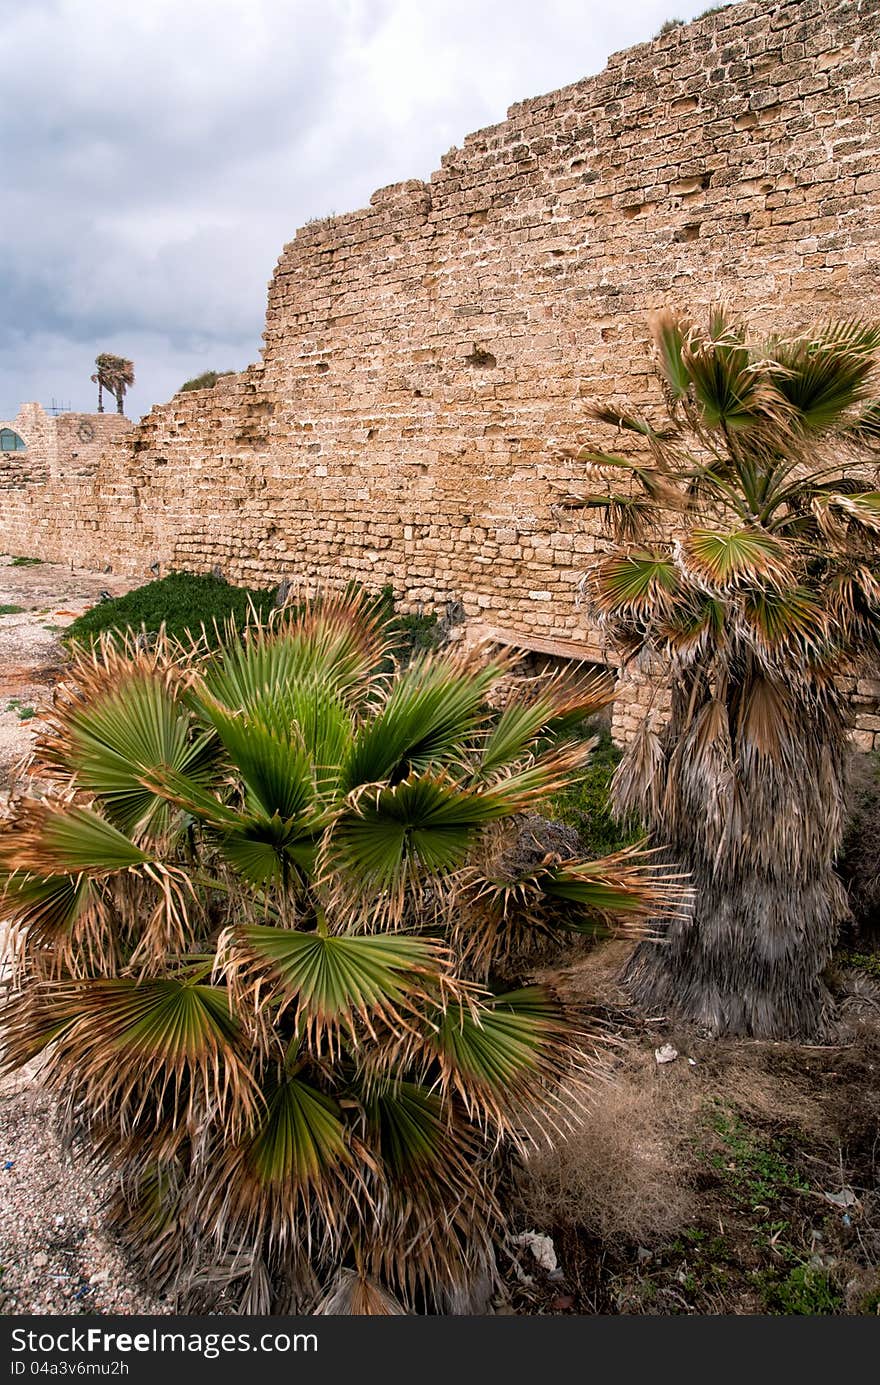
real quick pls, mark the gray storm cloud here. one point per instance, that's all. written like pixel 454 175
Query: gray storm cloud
pixel 155 158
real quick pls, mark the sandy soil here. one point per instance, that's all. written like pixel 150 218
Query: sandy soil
pixel 53 1255
pixel 49 597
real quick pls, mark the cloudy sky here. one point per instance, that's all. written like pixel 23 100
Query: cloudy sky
pixel 156 156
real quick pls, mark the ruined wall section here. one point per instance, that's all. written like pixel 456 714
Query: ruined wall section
pixel 426 357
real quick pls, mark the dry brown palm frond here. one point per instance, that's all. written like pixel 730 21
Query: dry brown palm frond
pixel 637 785
pixel 352 1294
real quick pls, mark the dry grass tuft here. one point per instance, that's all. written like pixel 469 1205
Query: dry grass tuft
pixel 625 1175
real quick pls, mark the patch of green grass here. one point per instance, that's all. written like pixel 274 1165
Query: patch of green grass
pixel 585 804
pixel 26 562
pixel 11 610
pixel 806 1290
pixel 752 1165
pixel 16 705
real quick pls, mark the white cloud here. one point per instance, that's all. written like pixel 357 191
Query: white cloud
pixel 157 157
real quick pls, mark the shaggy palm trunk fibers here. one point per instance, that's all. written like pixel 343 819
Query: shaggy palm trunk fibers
pixel 748 962
pixel 758 834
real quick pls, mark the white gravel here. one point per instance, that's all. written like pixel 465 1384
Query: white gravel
pixel 54 1257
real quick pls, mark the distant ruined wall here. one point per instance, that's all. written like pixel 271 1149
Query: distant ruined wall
pixel 426 357
pixel 60 449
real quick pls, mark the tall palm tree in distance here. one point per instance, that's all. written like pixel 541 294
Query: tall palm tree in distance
pixel 115 375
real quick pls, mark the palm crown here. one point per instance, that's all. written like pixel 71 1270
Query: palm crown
pixel 256 910
pixel 746 566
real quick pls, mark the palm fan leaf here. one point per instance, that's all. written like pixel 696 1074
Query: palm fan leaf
pixel 669 334
pixel 432 712
pixel 112 740
pixel 636 585
pixel 122 1046
pixel 738 558
pixel 823 377
pixel 65 841
pixel 507 1055
pixel 337 983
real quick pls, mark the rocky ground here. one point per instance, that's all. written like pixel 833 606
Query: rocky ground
pixel 53 1257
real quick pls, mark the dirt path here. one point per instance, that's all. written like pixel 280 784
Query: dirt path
pixel 54 1257
pixel 37 603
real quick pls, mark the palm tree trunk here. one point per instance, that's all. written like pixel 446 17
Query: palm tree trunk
pixel 757 830
pixel 100 398
pixel 749 961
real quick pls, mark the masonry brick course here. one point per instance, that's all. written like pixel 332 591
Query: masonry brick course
pixel 426 357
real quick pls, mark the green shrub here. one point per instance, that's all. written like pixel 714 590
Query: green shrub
pixel 806 1290
pixel 412 634
pixel 585 803
pixel 183 600
pixel 186 601
pixel 206 381
pixel 11 610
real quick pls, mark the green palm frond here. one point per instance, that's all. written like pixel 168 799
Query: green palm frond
pixel 636 584
pixel 669 334
pixel 336 642
pixel 392 836
pixel 793 620
pixel 112 739
pixel 824 377
pixel 693 625
pixel 726 561
pixel 47 906
pixel 337 984
pixel 628 886
pixel 290 1183
pixel 628 517
pixel 630 423
pixel 728 390
pixel 119 1044
pixel 432 712
pixel 276 771
pixel 65 841
pixel 505 1055
pixel 545 711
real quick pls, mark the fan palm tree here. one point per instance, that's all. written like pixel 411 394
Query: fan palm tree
pixel 114 374
pixel 255 913
pixel 746 576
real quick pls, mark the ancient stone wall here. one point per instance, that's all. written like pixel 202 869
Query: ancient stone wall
pixel 425 358
pixel 60 449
